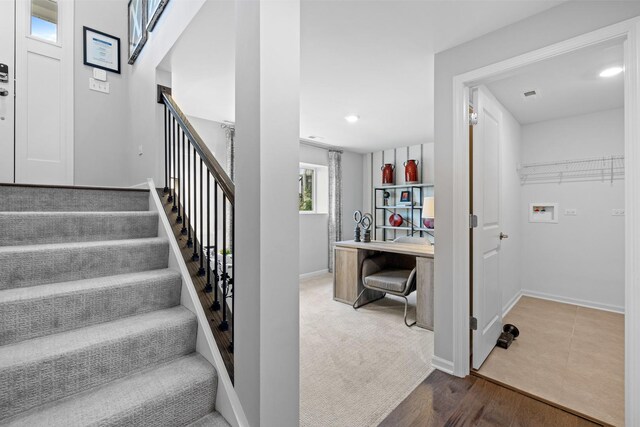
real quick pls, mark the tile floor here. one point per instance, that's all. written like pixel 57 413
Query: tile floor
pixel 570 355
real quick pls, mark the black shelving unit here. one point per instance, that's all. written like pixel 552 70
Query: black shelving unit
pixel 417 192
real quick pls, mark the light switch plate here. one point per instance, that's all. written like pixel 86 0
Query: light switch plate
pixel 99 74
pixel 98 86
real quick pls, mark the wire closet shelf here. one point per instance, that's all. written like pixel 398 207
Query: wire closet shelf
pixel 602 169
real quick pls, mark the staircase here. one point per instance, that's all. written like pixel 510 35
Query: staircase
pixel 91 327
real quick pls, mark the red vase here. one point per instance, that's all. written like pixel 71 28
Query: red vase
pixel 396 220
pixel 411 171
pixel 387 174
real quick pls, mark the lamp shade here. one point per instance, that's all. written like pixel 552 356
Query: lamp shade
pixel 429 208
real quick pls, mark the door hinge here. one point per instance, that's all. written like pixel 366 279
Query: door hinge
pixel 473 119
pixel 473 221
pixel 473 323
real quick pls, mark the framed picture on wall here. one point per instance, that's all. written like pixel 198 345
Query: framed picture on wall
pixel 154 10
pixel 101 50
pixel 137 28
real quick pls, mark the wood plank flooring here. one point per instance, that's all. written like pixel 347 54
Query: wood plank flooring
pixel 445 400
pixel 222 338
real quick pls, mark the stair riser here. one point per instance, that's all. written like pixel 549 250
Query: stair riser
pixel 26 385
pixel 174 394
pixel 21 228
pixel 50 314
pixel 43 199
pixel 40 265
pixel 179 409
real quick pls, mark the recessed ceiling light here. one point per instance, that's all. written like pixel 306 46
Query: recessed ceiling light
pixel 610 72
pixel 352 118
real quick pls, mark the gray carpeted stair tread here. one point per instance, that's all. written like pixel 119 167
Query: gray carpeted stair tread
pixel 35 311
pixel 173 394
pixel 57 199
pixel 214 419
pixel 31 228
pixel 45 369
pixel 41 264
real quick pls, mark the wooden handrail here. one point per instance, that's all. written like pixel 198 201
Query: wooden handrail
pixel 219 174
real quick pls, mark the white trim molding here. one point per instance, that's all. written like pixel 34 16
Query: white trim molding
pixel 227 401
pixel 573 301
pixel 313 274
pixel 629 32
pixel 512 303
pixel 443 365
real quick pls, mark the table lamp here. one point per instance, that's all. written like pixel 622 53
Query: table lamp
pixel 428 212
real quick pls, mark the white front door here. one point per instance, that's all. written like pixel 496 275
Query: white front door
pixel 7 111
pixel 44 92
pixel 487 299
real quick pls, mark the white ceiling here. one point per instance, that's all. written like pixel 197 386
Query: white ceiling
pixel 369 58
pixel 568 85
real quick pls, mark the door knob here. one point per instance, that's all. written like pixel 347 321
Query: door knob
pixel 4 92
pixel 503 236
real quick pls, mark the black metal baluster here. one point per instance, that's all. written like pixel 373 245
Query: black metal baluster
pixel 172 131
pixel 232 282
pixel 166 152
pixel 224 325
pixel 208 287
pixel 181 176
pixel 187 194
pixel 195 255
pixel 201 271
pixel 216 302
pixel 180 180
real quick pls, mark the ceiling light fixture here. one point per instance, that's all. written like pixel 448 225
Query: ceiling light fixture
pixel 610 72
pixel 352 118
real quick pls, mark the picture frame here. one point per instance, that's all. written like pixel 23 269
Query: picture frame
pixel 405 197
pixel 101 50
pixel 137 28
pixel 154 10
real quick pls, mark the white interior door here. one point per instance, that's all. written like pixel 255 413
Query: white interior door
pixel 7 100
pixel 44 92
pixel 487 299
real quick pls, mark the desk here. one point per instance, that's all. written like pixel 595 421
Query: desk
pixel 347 274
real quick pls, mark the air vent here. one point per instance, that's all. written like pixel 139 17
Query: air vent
pixel 530 94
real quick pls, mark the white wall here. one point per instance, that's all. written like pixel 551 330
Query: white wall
pixel 146 115
pixel 568 20
pixel 266 353
pixel 314 228
pixel 372 175
pixel 102 141
pixel 214 137
pixel 581 258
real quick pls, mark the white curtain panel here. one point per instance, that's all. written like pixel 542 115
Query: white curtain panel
pixel 335 201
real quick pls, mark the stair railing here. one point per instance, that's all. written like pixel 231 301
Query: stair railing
pixel 200 204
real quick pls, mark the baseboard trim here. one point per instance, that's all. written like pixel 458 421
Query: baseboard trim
pixel 313 274
pixel 507 308
pixel 574 301
pixel 443 365
pixel 142 185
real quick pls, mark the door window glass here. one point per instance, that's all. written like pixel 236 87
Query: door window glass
pixel 44 19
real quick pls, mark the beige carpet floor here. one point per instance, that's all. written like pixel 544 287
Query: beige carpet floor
pixel 356 366
pixel 570 355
